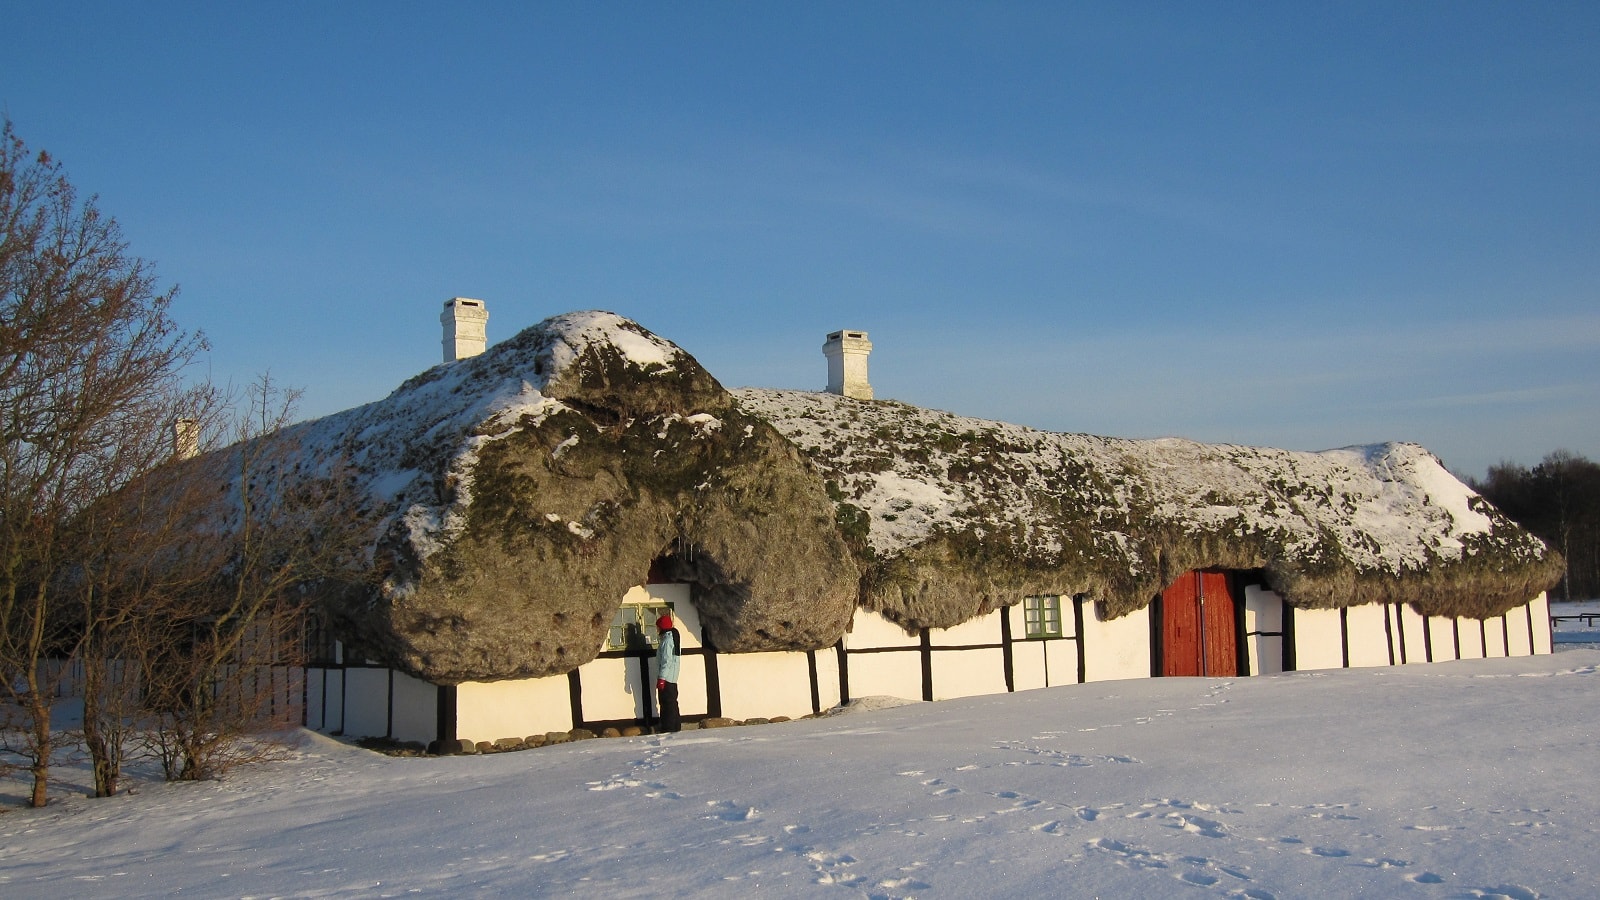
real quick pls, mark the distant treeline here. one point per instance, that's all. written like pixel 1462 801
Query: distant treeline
pixel 1558 500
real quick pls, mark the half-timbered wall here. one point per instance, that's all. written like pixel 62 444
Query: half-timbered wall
pixel 1392 634
pixel 988 655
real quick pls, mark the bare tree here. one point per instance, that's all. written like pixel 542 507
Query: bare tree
pixel 121 579
pixel 90 361
pixel 217 652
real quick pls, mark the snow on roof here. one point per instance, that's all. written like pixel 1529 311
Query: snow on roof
pixel 450 412
pixel 1058 500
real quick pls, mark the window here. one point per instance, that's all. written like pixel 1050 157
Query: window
pixel 634 626
pixel 1042 616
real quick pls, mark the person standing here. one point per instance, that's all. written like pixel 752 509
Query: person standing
pixel 667 675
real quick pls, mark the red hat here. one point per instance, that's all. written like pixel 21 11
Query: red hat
pixel 664 622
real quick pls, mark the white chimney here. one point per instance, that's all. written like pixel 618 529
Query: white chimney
pixel 466 328
pixel 847 364
pixel 185 438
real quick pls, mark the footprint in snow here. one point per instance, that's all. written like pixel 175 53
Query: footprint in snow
pixel 1385 863
pixel 1196 825
pixel 728 811
pixel 1503 892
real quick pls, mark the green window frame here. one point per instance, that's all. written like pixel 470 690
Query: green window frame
pixel 636 619
pixel 1041 616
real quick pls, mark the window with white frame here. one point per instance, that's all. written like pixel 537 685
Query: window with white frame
pixel 1041 616
pixel 634 626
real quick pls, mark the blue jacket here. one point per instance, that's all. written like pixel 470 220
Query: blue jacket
pixel 667 656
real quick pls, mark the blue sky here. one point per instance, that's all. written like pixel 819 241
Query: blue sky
pixel 1296 225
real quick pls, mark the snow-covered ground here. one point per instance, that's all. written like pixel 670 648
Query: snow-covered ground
pixel 1462 779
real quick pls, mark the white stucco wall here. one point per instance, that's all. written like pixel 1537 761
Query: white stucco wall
pixel 1263 611
pixel 1061 662
pixel 324 699
pixel 896 674
pixel 416 709
pixel 1517 622
pixel 1410 639
pixel 366 696
pixel 1317 635
pixel 1494 638
pixel 611 689
pixel 968 673
pixel 828 687
pixel 1439 631
pixel 770 684
pixel 1539 609
pixel 1317 644
pixel 868 629
pixel 488 711
pixel 1369 644
pixel 1028 665
pixel 886 674
pixel 983 630
pixel 1472 641
pixel 1118 648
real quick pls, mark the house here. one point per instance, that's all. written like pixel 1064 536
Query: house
pixel 529 509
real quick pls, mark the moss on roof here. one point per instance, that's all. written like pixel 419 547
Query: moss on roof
pixel 952 516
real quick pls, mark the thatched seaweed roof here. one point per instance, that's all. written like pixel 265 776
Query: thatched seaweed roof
pixel 952 516
pixel 512 499
pixel 517 495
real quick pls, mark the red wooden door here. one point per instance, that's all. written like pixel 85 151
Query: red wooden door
pixel 1181 626
pixel 1198 635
